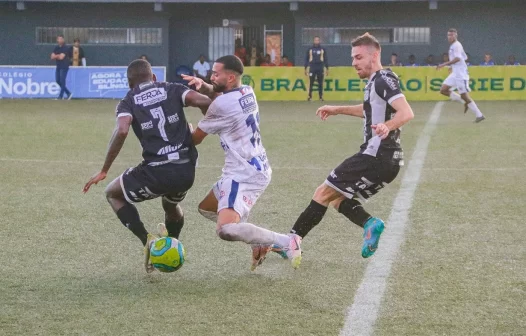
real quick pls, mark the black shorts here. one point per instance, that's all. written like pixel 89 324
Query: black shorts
pixel 148 182
pixel 362 175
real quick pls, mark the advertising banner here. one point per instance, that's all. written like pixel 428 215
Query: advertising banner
pixel 83 82
pixel 417 83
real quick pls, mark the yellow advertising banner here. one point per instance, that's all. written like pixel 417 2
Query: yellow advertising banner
pixel 417 83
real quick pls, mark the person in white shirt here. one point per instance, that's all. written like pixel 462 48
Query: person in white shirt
pixel 202 68
pixel 234 116
pixel 459 76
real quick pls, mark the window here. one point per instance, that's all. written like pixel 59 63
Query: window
pixel 220 42
pixel 344 36
pixel 98 36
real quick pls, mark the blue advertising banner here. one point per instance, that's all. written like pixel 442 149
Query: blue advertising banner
pixel 83 82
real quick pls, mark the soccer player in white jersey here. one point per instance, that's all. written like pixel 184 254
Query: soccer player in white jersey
pixel 459 76
pixel 234 116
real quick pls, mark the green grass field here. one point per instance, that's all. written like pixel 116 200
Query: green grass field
pixel 70 268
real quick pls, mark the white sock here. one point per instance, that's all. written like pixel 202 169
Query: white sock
pixel 455 97
pixel 251 234
pixel 211 215
pixel 473 107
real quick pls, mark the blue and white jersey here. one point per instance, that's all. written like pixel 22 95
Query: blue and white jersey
pixel 234 116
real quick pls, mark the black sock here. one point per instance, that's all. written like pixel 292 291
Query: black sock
pixel 129 217
pixel 173 218
pixel 354 211
pixel 174 226
pixel 309 218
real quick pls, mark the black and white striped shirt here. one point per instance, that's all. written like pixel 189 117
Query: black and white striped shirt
pixel 381 90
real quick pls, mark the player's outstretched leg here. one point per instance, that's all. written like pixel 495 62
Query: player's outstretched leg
pixel 229 228
pixel 470 103
pixel 129 217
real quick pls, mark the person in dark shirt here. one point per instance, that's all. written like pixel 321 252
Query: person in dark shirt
pixel 394 60
pixel 412 61
pixel 511 61
pixel 315 61
pixel 430 60
pixel 62 55
pixel 155 112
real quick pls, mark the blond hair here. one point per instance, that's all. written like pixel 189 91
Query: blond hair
pixel 366 40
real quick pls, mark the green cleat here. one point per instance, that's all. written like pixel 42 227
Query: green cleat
pixel 371 236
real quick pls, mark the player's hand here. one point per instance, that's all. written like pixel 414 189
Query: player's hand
pixel 191 127
pixel 326 110
pixel 381 130
pixel 440 66
pixel 326 72
pixel 306 73
pixel 192 80
pixel 61 56
pixel 94 180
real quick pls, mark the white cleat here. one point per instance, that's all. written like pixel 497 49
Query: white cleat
pixel 294 250
pixel 163 232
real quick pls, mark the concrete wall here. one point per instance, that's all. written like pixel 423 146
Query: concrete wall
pixel 496 27
pixel 489 26
pixel 17 31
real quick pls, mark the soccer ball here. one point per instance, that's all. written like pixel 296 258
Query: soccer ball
pixel 167 254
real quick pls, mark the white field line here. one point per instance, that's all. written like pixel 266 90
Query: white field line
pixel 362 314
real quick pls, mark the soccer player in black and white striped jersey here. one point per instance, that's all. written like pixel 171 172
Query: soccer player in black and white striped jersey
pixel 384 111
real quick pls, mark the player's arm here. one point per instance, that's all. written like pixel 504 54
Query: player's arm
pixel 198 136
pixel 54 56
pixel 387 87
pixel 196 99
pixel 457 53
pixel 352 110
pixel 453 61
pixel 404 113
pixel 124 121
pixel 117 140
pixel 307 61
pixel 201 86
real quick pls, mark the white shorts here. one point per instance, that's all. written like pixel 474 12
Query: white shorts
pixel 240 196
pixel 461 84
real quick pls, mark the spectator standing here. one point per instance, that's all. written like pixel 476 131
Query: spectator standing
pixel 61 54
pixel 78 57
pixel 316 60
